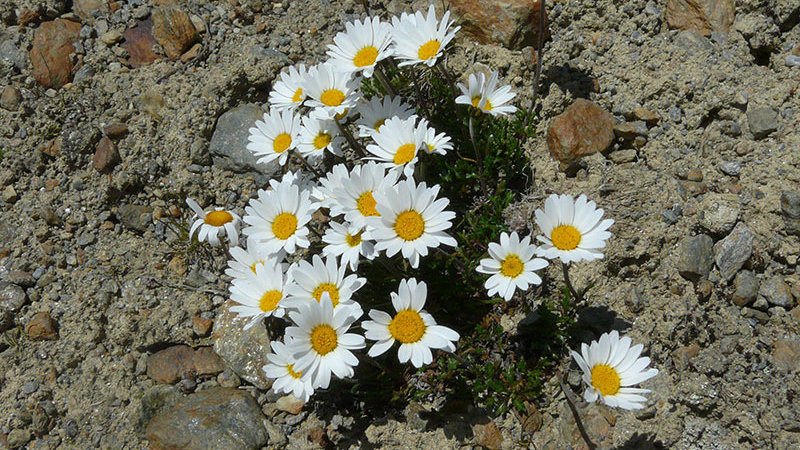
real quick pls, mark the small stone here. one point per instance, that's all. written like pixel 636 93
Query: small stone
pixel 9 194
pixel 192 53
pixel 682 355
pixel 244 351
pixel 487 435
pixel 695 257
pixel 629 130
pixel 135 217
pixel 763 121
pixel 12 297
pixel 10 98
pixel 106 156
pixel 760 304
pixel 201 326
pixel 692 188
pixel 703 16
pixel 89 9
pixel 745 288
pixel 27 16
pixel 139 42
pixel 213 418
pixel 790 208
pixel 646 115
pixel 228 379
pixel 793 60
pixel 719 213
pixel 583 129
pixel 41 327
pixel 169 365
pixel 776 292
pixel 29 387
pixel 173 29
pixel 759 316
pixel 694 175
pixel 18 437
pixel 111 37
pixel 6 320
pixel 511 23
pixel 731 168
pixel 786 355
pixel 228 146
pixel 50 55
pixel 704 290
pixel 732 253
pixel 290 404
pixel 623 156
pixel 86 72
pixel 115 130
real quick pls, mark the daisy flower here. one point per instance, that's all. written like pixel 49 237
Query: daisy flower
pixel 411 220
pixel 349 242
pixel 320 342
pixel 610 366
pixel 330 92
pixel 278 218
pixel 287 93
pixel 280 367
pixel 572 229
pixel 211 223
pixel 260 294
pixel 486 96
pixel 275 136
pixel 396 144
pixel 377 111
pixel 354 196
pixel 415 329
pixel 316 136
pixel 511 265
pixel 433 143
pixel 323 194
pixel 244 261
pixel 361 46
pixel 312 281
pixel 421 39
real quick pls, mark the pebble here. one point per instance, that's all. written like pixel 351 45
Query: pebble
pixel 139 42
pixel 6 320
pixel 731 168
pixel 10 98
pixel 228 146
pixel 487 435
pixel 135 217
pixel 695 257
pixel 173 29
pixel 29 387
pixel 746 286
pixel 111 37
pixel 623 156
pixel 18 437
pixel 106 156
pixel 670 216
pixel 786 355
pixel 732 252
pixel 12 297
pixel 169 365
pixel 41 327
pixel 21 278
pixel 776 292
pixel 719 213
pixel 762 121
pixel 790 208
pixel 583 129
pixel 213 418
pixel 758 316
pixel 290 404
pixel 703 16
pixel 793 61
pixel 244 351
pixel 86 72
pixel 10 194
pixel 511 24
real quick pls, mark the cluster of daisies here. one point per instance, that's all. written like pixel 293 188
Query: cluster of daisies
pixel 370 206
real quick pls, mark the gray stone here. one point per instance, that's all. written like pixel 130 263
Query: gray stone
pixel 86 72
pixel 790 207
pixel 214 418
pixel 18 437
pixel 793 61
pixel 6 320
pixel 11 54
pixel 730 168
pixel 695 257
pixel 759 316
pixel 10 98
pixel 746 288
pixel 731 253
pixel 228 144
pixel 776 292
pixel 12 297
pixel 719 213
pixel 135 217
pixel 763 121
pixel 244 352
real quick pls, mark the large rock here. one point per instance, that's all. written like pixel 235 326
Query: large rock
pixel 50 55
pixel 216 418
pixel 173 29
pixel 790 208
pixel 584 128
pixel 511 23
pixel 245 352
pixel 228 144
pixel 703 16
pixel 139 42
pixel 731 253
pixel 695 257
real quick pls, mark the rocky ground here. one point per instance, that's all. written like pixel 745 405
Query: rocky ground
pixel 111 113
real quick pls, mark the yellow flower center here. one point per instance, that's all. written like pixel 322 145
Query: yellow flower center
pixel 407 326
pixel 512 266
pixel 565 237
pixel 322 140
pixel 332 97
pixel 298 95
pixel 477 100
pixel 218 218
pixel 284 225
pixel 290 369
pixel 366 204
pixel 270 300
pixel 365 57
pixel 323 339
pixel 430 147
pixel 331 289
pixel 253 266
pixel 405 154
pixel 429 49
pixel 353 239
pixel 281 142
pixel 341 115
pixel 379 124
pixel 605 379
pixel 409 225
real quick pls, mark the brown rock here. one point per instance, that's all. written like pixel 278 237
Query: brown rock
pixel 584 128
pixel 703 16
pixel 178 265
pixel 206 362
pixel 169 365
pixel 646 115
pixel 106 156
pixel 41 327
pixel 50 55
pixel 683 355
pixel 89 9
pixel 695 175
pixel 786 354
pixel 139 43
pixel 192 53
pixel 487 435
pixel 290 404
pixel 10 98
pixel 201 326
pixel 173 29
pixel 511 23
pixel 694 188
pixel 115 130
pixel 52 147
pixel 27 16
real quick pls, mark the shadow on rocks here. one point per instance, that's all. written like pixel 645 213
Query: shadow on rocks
pixel 643 441
pixel 570 79
pixel 596 320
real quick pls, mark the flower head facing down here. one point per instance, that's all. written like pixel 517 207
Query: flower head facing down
pixel 421 39
pixel 281 368
pixel 433 142
pixel 361 46
pixel 485 96
pixel 274 137
pixel 511 265
pixel 212 223
pixel 610 367
pixel 375 112
pixel 572 229
pixel 415 329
